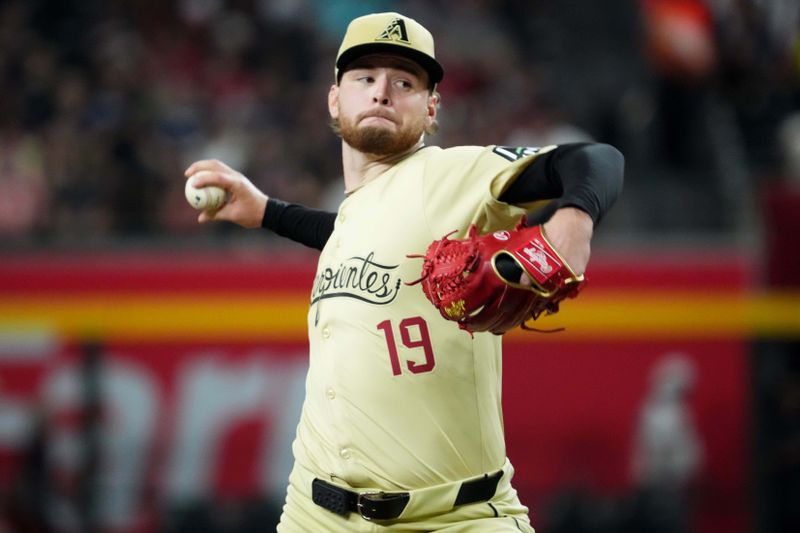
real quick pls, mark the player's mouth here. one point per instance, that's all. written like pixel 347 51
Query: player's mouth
pixel 377 118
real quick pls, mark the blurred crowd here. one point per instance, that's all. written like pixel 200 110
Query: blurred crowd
pixel 104 103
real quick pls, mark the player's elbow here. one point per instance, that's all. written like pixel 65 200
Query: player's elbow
pixel 612 162
pixel 611 151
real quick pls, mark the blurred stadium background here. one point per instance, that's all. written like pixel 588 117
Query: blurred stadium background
pixel 151 370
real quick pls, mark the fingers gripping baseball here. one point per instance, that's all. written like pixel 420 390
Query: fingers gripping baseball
pixel 245 203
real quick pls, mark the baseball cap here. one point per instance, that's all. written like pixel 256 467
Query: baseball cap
pixel 388 33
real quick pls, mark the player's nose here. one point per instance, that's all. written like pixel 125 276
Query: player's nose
pixel 381 91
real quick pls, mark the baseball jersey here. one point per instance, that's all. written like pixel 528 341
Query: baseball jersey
pixel 398 398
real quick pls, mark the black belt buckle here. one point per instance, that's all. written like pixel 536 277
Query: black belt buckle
pixel 369 505
pixel 366 505
pixel 381 505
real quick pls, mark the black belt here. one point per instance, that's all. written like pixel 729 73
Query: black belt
pixel 390 505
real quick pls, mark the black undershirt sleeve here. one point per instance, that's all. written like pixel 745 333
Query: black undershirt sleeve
pixel 588 176
pixel 311 227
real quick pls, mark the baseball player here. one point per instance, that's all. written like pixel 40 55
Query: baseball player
pixel 401 428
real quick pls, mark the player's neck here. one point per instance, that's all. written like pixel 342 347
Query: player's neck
pixel 360 168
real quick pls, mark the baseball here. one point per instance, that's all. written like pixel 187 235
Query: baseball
pixel 208 198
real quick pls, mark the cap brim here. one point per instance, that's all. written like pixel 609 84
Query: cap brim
pixel 430 65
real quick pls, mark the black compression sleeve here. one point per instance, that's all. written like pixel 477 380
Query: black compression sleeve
pixel 588 176
pixel 311 227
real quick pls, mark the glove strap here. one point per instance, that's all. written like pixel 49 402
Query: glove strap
pixel 537 257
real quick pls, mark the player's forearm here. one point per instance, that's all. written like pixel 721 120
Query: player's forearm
pixel 587 176
pixel 310 227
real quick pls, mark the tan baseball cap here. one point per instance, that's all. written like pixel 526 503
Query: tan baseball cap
pixel 389 33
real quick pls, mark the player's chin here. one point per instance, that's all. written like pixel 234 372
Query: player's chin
pixel 376 136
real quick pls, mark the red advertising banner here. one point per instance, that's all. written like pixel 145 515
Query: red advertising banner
pixel 200 366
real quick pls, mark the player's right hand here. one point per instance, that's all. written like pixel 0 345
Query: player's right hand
pixel 245 203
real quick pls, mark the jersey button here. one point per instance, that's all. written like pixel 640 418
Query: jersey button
pixel 341 218
pixel 345 453
pixel 330 393
pixel 326 333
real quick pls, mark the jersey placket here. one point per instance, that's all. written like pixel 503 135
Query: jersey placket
pixel 330 383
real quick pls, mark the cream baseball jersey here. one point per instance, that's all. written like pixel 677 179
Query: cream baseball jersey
pixel 397 398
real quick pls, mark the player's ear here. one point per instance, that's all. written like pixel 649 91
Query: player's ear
pixel 333 101
pixel 433 106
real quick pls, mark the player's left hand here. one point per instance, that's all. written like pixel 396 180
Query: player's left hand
pixel 570 231
pixel 473 281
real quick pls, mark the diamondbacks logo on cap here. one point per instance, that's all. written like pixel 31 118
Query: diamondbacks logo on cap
pixel 395 31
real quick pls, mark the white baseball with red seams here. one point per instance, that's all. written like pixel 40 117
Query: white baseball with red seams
pixel 208 198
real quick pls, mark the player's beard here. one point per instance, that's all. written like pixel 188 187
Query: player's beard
pixel 381 141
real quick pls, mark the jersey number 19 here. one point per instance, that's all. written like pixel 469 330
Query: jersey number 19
pixel 424 342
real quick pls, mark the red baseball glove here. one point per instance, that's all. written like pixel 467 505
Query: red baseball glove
pixel 475 281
